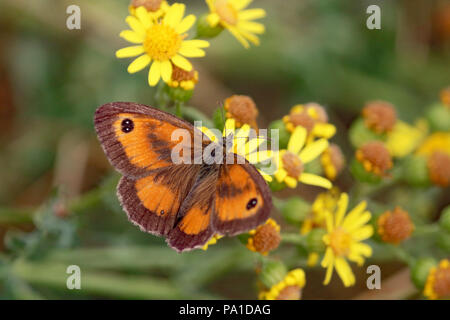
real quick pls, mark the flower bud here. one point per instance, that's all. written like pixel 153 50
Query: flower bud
pixel 444 220
pixel 206 30
pixel 283 134
pixel 358 171
pixel 242 109
pixel 314 240
pixel 179 94
pixel 415 171
pixel 439 168
pixel 395 226
pixel 359 134
pixel 264 238
pixel 438 281
pixel 272 272
pixel 420 271
pixel 295 210
pixel 438 116
pixel 379 116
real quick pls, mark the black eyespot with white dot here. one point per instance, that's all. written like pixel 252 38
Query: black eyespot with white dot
pixel 161 212
pixel 127 125
pixel 252 203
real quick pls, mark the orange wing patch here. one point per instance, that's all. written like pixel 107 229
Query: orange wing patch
pixel 153 202
pixel 242 200
pixel 158 198
pixel 138 139
pixel 195 221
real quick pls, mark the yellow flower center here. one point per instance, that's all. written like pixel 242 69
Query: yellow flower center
pixel 340 242
pixel 162 42
pixel 227 12
pixel 292 164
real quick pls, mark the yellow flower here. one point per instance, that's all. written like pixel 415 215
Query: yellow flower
pixel 438 141
pixel 264 238
pixel 343 240
pixel 332 161
pixel 230 14
pixel 404 138
pixel 156 8
pixel 313 118
pixel 438 281
pixel 160 43
pixel 290 162
pixel 325 201
pixel 287 289
pixel 212 241
pixel 244 144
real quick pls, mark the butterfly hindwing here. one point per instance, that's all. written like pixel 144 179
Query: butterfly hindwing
pixel 153 202
pixel 242 200
pixel 193 228
pixel 136 138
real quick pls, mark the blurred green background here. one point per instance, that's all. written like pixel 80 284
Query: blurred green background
pixel 57 200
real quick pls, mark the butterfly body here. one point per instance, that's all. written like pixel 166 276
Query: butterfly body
pixel 188 202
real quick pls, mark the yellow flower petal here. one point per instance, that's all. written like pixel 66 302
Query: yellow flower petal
pixel 130 52
pixel 213 19
pixel 182 63
pixel 174 15
pixel 341 208
pixel 136 25
pixel 230 125
pixel 132 36
pixel 154 74
pixel 240 4
pixel 297 140
pixel 144 17
pixel 363 233
pixel 185 24
pixel 252 14
pixel 139 63
pixel 280 175
pixel 254 27
pixel 328 222
pixel 290 182
pixel 328 274
pixel 313 150
pixel 166 71
pixel 354 213
pixel 191 52
pixel 249 36
pixel 351 225
pixel 361 249
pixel 345 272
pixel 324 130
pixel 210 4
pixel 315 180
pixel 195 43
pixel 235 32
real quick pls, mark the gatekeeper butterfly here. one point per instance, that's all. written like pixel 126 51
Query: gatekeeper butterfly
pixel 187 203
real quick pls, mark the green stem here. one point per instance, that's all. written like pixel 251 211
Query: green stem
pixel 293 238
pixel 179 109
